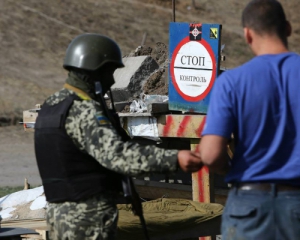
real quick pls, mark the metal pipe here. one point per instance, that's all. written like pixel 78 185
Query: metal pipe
pixel 173 6
pixel 144 39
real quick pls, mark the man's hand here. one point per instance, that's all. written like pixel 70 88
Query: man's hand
pixel 189 161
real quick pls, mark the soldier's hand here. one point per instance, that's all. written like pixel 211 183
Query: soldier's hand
pixel 189 161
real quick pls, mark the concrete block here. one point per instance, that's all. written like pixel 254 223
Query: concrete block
pixel 130 79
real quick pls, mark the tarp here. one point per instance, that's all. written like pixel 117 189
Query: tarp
pixel 165 216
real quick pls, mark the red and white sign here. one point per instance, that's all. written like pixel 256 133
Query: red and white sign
pixel 193 69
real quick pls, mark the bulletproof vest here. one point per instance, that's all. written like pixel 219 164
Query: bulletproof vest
pixel 68 174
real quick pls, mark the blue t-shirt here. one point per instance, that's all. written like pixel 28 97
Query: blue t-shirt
pixel 259 102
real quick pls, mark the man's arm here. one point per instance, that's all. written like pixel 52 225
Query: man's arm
pixel 93 133
pixel 213 152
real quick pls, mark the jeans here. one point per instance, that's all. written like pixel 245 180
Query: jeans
pixel 261 215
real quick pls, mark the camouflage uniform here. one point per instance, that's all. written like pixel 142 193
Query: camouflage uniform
pixel 94 218
pixel 90 130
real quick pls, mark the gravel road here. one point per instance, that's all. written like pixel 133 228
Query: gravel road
pixel 17 158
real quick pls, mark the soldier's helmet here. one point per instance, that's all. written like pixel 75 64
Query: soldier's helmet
pixel 90 51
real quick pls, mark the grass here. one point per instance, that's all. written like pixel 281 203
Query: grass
pixel 8 190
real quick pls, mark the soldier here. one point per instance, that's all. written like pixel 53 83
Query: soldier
pixel 81 152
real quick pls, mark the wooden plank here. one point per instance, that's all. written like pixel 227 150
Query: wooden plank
pixel 32 236
pixel 221 199
pixel 202 184
pixel 180 126
pixel 206 228
pixel 39 224
pixel 43 233
pixel 155 190
pixel 202 181
pixel 145 114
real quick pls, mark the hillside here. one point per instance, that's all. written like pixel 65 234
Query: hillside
pixel 34 36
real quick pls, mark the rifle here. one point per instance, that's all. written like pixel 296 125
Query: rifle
pixel 132 197
pixel 129 191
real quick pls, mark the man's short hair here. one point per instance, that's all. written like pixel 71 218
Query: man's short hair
pixel 265 17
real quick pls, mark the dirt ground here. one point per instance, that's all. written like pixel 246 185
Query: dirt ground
pixel 34 36
pixel 17 159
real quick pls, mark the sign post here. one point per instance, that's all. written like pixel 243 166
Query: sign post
pixel 194 65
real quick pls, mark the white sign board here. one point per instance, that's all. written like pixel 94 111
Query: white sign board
pixel 193 69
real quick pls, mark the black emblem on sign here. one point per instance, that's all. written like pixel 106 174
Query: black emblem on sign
pixel 195 31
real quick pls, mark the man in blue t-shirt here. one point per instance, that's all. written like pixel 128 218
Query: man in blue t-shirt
pixel 259 103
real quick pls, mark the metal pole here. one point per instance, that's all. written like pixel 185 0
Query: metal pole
pixel 144 39
pixel 173 6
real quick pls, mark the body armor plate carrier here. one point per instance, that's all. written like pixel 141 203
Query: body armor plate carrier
pixel 68 174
